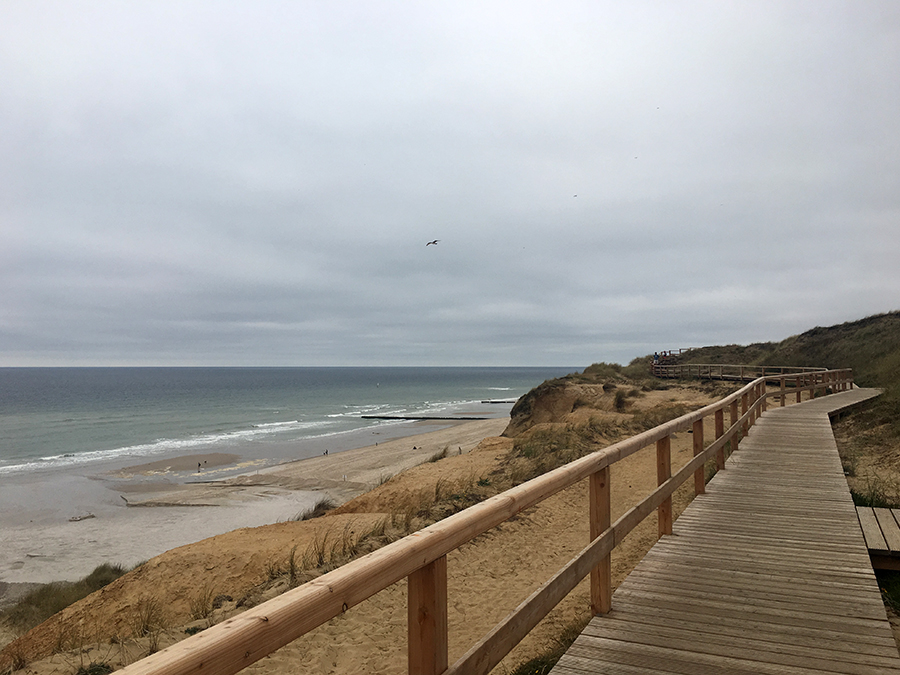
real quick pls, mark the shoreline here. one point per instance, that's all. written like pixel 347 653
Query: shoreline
pixel 177 505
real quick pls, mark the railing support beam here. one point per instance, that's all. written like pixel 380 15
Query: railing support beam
pixel 601 575
pixel 720 431
pixel 699 474
pixel 427 616
pixel 664 473
pixel 733 443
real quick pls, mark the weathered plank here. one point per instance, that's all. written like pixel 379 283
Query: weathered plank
pixel 889 529
pixel 871 531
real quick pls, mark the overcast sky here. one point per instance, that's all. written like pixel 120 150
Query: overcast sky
pixel 254 183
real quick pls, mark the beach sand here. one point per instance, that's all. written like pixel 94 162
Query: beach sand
pixel 131 514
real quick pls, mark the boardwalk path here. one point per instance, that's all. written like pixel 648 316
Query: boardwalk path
pixel 766 573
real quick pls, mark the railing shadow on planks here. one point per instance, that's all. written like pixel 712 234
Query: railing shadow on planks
pixel 421 557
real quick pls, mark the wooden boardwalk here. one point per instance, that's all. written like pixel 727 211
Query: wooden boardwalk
pixel 767 572
pixel 881 530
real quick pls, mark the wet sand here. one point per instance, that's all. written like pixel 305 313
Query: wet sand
pixel 128 515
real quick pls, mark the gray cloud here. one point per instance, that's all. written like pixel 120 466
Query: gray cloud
pixel 224 183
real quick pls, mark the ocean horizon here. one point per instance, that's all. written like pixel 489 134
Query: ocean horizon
pixel 59 418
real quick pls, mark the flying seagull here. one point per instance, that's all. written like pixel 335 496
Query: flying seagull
pixel 433 242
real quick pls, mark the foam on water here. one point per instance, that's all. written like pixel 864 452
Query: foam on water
pixel 64 417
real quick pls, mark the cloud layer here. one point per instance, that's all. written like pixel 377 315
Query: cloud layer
pixel 218 183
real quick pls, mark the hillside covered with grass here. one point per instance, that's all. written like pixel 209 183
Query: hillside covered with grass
pixel 870 346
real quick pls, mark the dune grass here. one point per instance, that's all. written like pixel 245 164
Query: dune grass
pixel 322 506
pixel 42 603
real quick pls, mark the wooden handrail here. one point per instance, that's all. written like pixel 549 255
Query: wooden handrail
pixel 237 642
pixel 720 371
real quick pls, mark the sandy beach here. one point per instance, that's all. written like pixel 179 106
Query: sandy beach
pixel 133 513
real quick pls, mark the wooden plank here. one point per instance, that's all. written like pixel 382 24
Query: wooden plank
pixel 747 651
pixel 810 646
pixel 784 632
pixel 871 531
pixel 889 529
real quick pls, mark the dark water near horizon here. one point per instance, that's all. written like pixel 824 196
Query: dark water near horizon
pixel 66 418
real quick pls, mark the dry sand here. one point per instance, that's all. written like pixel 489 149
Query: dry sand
pixel 121 533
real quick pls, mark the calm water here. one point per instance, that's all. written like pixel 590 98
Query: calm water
pixel 58 418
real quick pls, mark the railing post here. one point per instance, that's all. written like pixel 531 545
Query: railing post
pixel 699 474
pixel 720 431
pixel 781 381
pixel 746 427
pixel 601 575
pixel 733 443
pixel 764 393
pixel 751 404
pixel 427 618
pixel 663 473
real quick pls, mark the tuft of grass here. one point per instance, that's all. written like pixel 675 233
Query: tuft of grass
pixel 543 663
pixel 322 506
pixel 148 620
pixel 876 496
pixel 95 668
pixel 201 605
pixel 147 616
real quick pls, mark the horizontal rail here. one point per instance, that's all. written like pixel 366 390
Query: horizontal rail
pixel 719 371
pixel 237 642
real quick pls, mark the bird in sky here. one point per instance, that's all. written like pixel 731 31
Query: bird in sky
pixel 433 242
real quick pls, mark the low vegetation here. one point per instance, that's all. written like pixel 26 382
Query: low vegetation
pixel 45 601
pixel 543 664
pixel 322 506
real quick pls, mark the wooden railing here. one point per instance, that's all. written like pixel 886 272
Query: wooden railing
pixel 718 371
pixel 421 557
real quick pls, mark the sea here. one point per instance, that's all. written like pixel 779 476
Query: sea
pixel 53 418
pixel 69 435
